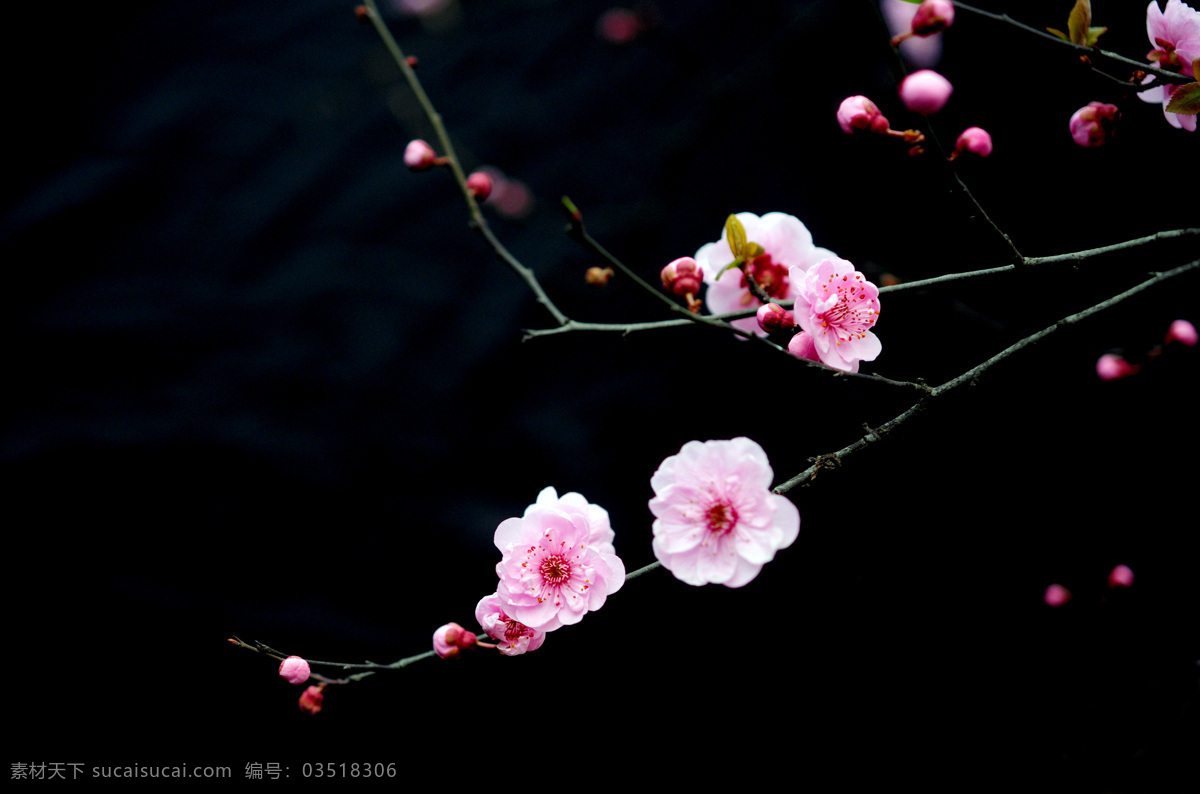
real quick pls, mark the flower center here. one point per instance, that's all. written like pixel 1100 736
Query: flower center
pixel 854 313
pixel 721 517
pixel 555 570
pixel 513 630
pixel 771 277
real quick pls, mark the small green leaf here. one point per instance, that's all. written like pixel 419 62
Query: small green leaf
pixel 734 263
pixel 753 250
pixel 1080 19
pixel 1094 34
pixel 735 233
pixel 1185 100
pixel 1059 33
pixel 914 2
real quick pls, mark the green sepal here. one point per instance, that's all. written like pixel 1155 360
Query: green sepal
pixel 1185 100
pixel 735 263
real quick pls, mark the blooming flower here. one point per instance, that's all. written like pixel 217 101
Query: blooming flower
pixel 294 670
pixel 925 92
pixel 1094 124
pixel 514 637
pixel 1175 34
pixel 715 519
pixel 558 561
pixel 786 242
pixel 838 307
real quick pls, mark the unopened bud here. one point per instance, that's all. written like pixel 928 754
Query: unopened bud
pixel 1111 366
pixel 1182 331
pixel 362 14
pixel 773 317
pixel 1056 595
pixel 859 114
pixel 598 276
pixel 312 699
pixel 925 92
pixel 1094 124
pixel 294 670
pixel 803 346
pixel 412 61
pixel 480 185
pixel 933 16
pixel 1120 576
pixel 683 276
pixel 451 639
pixel 975 140
pixel 419 155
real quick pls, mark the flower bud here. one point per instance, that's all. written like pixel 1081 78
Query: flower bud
pixel 312 699
pixel 857 113
pixel 933 16
pixel 683 276
pixel 294 670
pixel 975 140
pixel 419 155
pixel 480 185
pixel 1056 595
pixel 362 14
pixel 802 346
pixel 1120 576
pixel 773 317
pixel 1111 367
pixel 451 639
pixel 1094 124
pixel 925 92
pixel 1182 331
pixel 598 276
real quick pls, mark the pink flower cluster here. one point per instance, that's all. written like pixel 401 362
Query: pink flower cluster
pixel 715 518
pixel 1175 34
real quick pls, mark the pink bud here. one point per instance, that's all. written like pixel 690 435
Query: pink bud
pixel 857 113
pixel 451 639
pixel 803 346
pixel 925 92
pixel 1121 576
pixel 683 276
pixel 1111 367
pixel 312 699
pixel 975 140
pixel 773 317
pixel 598 276
pixel 419 155
pixel 619 26
pixel 480 185
pixel 1182 331
pixel 1094 124
pixel 294 670
pixel 933 16
pixel 1056 595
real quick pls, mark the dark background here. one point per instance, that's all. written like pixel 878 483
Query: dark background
pixel 264 381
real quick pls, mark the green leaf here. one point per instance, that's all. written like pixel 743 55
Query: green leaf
pixel 1185 100
pixel 734 263
pixel 914 2
pixel 735 233
pixel 1080 19
pixel 1094 34
pixel 753 250
pixel 1059 33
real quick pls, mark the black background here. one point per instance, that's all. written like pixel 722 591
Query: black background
pixel 264 381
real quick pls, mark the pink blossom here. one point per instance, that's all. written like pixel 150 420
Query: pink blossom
pixel 1094 124
pixel 787 244
pixel 975 140
pixel 1184 332
pixel 558 561
pixel 838 308
pixel 1111 366
pixel 419 155
pixel 450 640
pixel 859 114
pixel 1120 576
pixel 925 92
pixel 1175 34
pixel 294 670
pixel 1056 595
pixel 514 637
pixel 312 699
pixel 715 518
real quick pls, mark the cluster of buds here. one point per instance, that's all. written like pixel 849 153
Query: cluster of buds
pixel 932 17
pixel 1094 124
pixel 1111 366
pixel 683 278
pixel 450 640
pixel 1056 595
